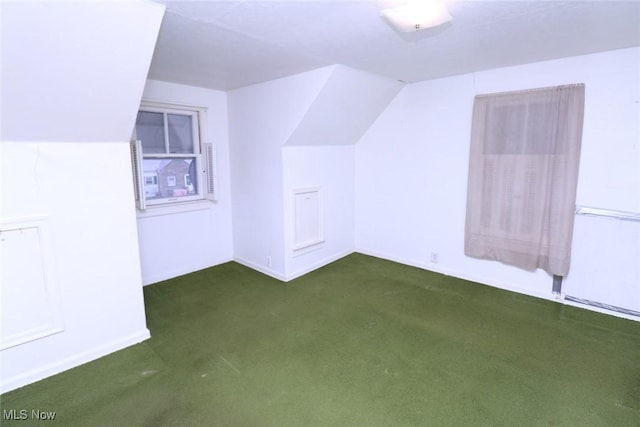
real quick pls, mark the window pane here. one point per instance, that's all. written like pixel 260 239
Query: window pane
pixel 169 178
pixel 180 134
pixel 150 130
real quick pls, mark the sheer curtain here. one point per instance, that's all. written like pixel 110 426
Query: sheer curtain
pixel 523 173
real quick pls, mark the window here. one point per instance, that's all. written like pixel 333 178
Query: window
pixel 523 173
pixel 172 164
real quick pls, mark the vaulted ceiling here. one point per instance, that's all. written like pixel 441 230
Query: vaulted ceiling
pixel 233 43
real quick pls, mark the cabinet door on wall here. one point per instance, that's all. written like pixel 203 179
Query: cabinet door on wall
pixel 307 218
pixel 29 299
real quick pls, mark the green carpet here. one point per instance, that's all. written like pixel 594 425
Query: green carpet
pixel 361 342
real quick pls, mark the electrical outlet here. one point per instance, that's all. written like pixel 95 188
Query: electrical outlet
pixel 434 257
pixel 268 261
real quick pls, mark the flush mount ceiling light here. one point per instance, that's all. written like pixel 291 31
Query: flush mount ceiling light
pixel 417 15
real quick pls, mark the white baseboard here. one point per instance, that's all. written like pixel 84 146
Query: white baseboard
pixel 550 296
pixel 301 272
pixel 319 264
pixel 170 274
pixel 262 269
pixel 17 381
pixel 437 269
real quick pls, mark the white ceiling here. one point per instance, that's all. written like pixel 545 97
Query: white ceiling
pixel 233 43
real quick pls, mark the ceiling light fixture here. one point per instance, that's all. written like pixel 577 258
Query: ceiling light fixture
pixel 417 15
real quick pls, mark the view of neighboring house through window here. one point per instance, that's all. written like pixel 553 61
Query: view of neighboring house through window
pixel 168 156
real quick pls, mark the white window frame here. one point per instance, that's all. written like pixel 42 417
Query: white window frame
pixel 203 153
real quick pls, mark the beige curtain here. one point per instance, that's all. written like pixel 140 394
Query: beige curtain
pixel 523 173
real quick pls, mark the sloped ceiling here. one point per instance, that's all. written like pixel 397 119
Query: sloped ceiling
pixel 229 44
pixel 74 71
pixel 348 103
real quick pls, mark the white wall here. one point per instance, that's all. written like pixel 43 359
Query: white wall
pixel 84 192
pixel 411 176
pixel 332 168
pixel 292 133
pixel 71 84
pixel 350 100
pixel 261 119
pixel 179 243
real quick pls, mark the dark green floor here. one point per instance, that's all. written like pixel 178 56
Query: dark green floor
pixel 362 342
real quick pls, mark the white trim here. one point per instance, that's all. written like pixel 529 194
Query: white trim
pixel 298 246
pixel 288 277
pixel 42 218
pixel 55 322
pixel 549 296
pixel 167 201
pixel 261 269
pixel 174 208
pixel 97 352
pixel 318 264
pixel 199 133
pixel 153 103
pixel 307 248
pixel 30 335
pixel 150 280
pixel 430 267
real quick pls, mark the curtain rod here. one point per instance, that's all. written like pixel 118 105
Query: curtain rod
pixel 608 213
pixel 536 89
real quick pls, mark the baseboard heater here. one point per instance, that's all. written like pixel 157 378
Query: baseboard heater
pixel 602 305
pixel 605 213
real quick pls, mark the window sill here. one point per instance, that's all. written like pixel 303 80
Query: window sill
pixel 174 208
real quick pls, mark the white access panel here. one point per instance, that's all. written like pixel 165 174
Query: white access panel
pixel 307 218
pixel 28 298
